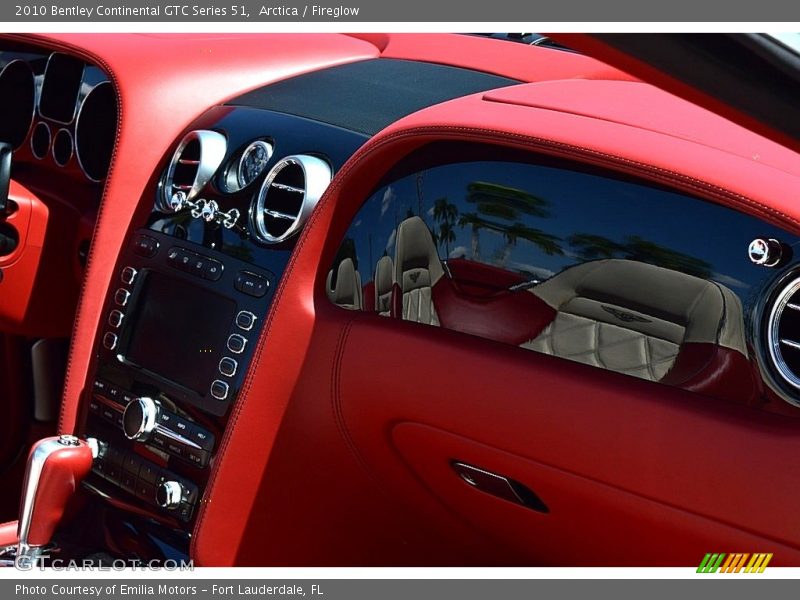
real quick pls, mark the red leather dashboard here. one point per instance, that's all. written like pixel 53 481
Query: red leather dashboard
pixel 391 447
pixel 308 338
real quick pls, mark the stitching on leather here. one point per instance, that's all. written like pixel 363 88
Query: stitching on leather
pixel 337 405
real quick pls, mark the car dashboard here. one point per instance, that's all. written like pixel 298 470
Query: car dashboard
pixel 221 278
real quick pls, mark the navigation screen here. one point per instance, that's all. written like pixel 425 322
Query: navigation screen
pixel 179 331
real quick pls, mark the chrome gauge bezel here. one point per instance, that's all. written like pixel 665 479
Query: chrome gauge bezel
pixel 252 147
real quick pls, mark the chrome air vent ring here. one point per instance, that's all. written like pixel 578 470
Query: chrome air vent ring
pixel 287 197
pixel 196 159
pixel 783 334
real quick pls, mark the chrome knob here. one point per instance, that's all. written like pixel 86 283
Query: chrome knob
pixel 168 494
pixel 140 418
pixel 765 252
pixel 178 201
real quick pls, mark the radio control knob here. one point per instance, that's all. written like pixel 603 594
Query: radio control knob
pixel 168 494
pixel 140 418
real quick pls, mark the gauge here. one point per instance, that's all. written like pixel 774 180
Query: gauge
pixel 253 162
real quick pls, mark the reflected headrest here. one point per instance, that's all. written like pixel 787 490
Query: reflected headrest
pixel 347 291
pixel 417 261
pixel 384 275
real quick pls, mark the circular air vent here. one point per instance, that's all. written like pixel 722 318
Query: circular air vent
pixel 288 195
pixel 783 333
pixel 195 161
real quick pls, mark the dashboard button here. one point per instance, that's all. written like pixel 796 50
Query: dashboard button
pixel 236 343
pixel 149 473
pixel 245 320
pixel 185 512
pixel 115 318
pixel 196 457
pixel 110 341
pixel 127 481
pixel 203 438
pixel 219 389
pixel 213 270
pixel 251 284
pixel 100 386
pixel 121 296
pixel 113 392
pixel 174 256
pixel 128 275
pixel 144 245
pixel 227 366
pixel 131 464
pixel 109 414
pixel 197 266
pixel 113 472
pixel 182 427
pixel 114 456
pixel 146 490
pixel 175 448
pixel 166 418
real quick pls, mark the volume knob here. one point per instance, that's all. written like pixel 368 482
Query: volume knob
pixel 168 494
pixel 140 418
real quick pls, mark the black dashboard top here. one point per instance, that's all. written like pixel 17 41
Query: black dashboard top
pixel 367 96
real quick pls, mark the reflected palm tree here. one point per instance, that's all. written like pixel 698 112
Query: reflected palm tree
pixel 445 213
pixel 546 242
pixel 496 203
pixel 595 247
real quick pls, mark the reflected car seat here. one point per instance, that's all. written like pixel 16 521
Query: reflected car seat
pixel 346 292
pixel 646 321
pixel 384 282
pixel 417 270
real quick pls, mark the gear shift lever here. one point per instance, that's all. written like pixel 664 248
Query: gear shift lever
pixel 56 465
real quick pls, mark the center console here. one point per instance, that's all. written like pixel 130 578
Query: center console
pixel 187 304
pixel 181 324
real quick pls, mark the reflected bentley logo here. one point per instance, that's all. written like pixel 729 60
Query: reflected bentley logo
pixel 625 316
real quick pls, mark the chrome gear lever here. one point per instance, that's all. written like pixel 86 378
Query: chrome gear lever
pixel 56 465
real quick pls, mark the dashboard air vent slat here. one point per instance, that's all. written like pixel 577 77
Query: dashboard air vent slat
pixel 196 159
pixel 289 193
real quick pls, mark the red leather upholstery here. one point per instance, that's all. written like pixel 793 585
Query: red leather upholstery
pixel 318 429
pixel 516 61
pixel 637 438
pixel 8 534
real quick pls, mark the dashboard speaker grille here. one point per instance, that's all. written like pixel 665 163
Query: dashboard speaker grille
pixel 197 158
pixel 289 193
pixel 783 333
